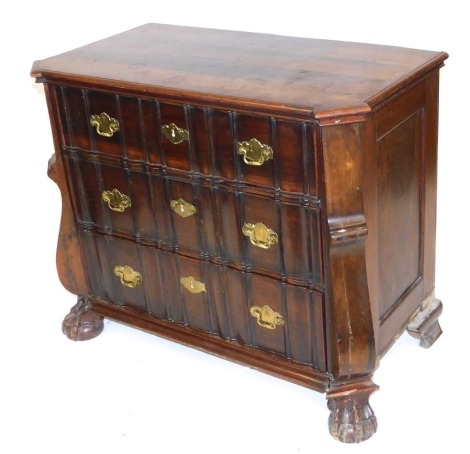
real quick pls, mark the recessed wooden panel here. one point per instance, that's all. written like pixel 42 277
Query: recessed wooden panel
pixel 398 179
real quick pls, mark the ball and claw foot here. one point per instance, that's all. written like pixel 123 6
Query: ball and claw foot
pixel 425 326
pixel 352 419
pixel 81 324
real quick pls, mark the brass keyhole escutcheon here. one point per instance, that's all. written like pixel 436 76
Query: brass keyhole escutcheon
pixel 128 276
pixel 116 200
pixel 174 134
pixel 192 285
pixel 260 235
pixel 182 208
pixel 267 317
pixel 105 125
pixel 254 152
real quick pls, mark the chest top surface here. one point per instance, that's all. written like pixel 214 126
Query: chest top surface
pixel 309 76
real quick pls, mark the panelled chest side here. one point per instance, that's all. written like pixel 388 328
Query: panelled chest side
pixel 273 207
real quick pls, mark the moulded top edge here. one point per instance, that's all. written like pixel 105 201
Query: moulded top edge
pixel 313 78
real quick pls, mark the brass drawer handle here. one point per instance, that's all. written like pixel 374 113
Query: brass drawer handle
pixel 260 235
pixel 128 276
pixel 174 134
pixel 266 317
pixel 192 285
pixel 106 126
pixel 116 200
pixel 182 208
pixel 254 152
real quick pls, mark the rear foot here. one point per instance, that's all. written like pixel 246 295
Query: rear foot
pixel 425 326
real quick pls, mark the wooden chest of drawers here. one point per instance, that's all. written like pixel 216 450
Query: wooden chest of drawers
pixel 266 199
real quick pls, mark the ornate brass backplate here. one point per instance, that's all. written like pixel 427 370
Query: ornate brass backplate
pixel 254 152
pixel 192 285
pixel 260 235
pixel 182 208
pixel 128 276
pixel 116 200
pixel 266 317
pixel 105 125
pixel 174 134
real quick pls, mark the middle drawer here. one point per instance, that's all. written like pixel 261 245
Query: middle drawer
pixel 229 225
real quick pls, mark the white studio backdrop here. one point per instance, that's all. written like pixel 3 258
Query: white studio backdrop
pixel 130 392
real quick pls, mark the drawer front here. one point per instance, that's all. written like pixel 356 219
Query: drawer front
pixel 121 133
pixel 257 151
pixel 251 309
pixel 278 237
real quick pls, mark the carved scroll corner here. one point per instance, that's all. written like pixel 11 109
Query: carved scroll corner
pixel 52 168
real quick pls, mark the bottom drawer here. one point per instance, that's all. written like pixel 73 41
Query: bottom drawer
pixel 248 308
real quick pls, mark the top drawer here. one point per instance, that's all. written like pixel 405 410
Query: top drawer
pixel 258 151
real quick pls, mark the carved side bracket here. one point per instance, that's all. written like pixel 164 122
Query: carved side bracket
pixel 350 328
pixel 347 228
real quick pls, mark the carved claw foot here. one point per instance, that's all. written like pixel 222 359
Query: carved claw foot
pixel 82 324
pixel 351 420
pixel 425 326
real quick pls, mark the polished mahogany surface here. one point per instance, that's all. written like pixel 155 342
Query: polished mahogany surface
pixel 294 75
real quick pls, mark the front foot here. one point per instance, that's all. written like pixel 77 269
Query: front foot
pixel 351 420
pixel 425 326
pixel 81 324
